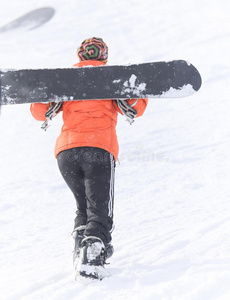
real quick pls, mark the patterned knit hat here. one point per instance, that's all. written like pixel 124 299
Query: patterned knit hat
pixel 93 48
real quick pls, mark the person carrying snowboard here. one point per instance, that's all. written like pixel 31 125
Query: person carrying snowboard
pixel 86 152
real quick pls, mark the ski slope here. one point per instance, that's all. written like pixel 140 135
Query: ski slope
pixel 172 209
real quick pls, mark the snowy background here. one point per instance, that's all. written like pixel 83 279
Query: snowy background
pixel 172 209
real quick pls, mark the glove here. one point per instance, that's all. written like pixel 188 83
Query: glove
pixel 128 111
pixel 51 112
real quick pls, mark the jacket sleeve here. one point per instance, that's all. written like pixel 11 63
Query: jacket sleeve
pixel 139 106
pixel 38 110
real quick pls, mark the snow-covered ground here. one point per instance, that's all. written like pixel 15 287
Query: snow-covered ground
pixel 172 209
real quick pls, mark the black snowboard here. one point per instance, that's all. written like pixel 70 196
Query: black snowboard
pixel 149 80
pixel 31 20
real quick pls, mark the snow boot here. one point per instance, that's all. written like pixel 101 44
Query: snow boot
pixel 109 250
pixel 91 261
pixel 78 235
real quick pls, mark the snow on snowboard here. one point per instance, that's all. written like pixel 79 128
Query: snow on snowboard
pixel 172 79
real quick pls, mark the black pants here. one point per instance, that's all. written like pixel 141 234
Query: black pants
pixel 89 173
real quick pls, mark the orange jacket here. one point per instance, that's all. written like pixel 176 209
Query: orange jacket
pixel 88 123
